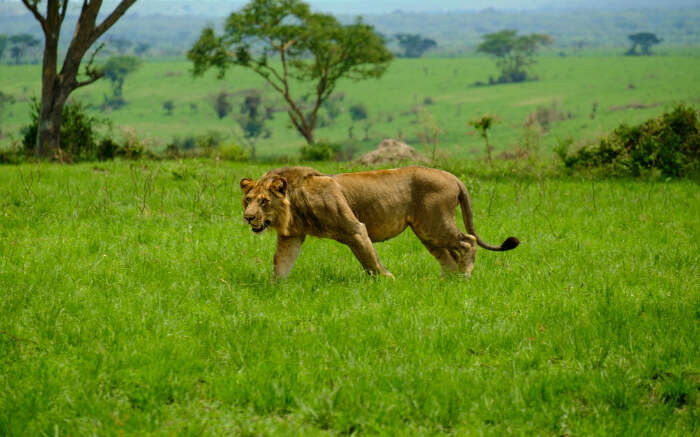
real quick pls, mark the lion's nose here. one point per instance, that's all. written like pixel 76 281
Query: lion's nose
pixel 249 218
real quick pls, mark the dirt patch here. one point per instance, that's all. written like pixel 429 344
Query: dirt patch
pixel 392 151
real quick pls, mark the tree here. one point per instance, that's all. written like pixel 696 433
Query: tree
pixel 168 105
pixel 141 48
pixel 252 114
pixel 414 45
pixel 3 44
pixel 20 43
pixel 482 125
pixel 312 48
pixel 221 104
pixel 121 44
pixel 643 39
pixel 513 52
pixel 57 86
pixel 116 69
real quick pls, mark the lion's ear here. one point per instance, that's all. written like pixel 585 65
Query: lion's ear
pixel 247 184
pixel 279 185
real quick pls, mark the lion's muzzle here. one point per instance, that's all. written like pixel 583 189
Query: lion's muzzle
pixel 258 229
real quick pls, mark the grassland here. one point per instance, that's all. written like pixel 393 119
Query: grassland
pixel 135 301
pixel 623 89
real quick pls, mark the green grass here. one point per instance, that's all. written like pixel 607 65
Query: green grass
pixel 135 301
pixel 575 84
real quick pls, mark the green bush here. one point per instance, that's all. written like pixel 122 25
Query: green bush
pixel 321 151
pixel 669 143
pixel 107 149
pixel 232 152
pixel 78 135
pixel 12 155
pixel 358 112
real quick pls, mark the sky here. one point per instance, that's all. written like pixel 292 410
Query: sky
pixel 366 7
pixel 385 6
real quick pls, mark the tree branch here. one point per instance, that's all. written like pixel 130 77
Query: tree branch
pixel 93 78
pixel 33 9
pixel 64 8
pixel 112 18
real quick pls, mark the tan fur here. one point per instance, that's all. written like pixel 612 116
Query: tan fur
pixel 357 209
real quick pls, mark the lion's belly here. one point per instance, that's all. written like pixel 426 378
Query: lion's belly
pixel 384 200
pixel 382 221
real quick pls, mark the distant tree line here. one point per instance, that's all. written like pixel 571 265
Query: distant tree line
pixel 17 48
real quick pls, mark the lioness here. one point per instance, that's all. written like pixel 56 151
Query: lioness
pixel 359 208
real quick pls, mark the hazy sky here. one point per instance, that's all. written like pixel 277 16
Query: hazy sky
pixel 380 6
pixel 360 7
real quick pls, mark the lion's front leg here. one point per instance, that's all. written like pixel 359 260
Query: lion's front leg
pixel 364 251
pixel 288 249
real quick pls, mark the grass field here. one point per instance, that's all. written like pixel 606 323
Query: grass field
pixel 135 301
pixel 623 89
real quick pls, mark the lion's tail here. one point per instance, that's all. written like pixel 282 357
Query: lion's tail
pixel 466 204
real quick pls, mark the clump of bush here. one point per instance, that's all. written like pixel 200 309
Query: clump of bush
pixel 669 144
pixel 209 145
pixel 546 116
pixel 12 155
pixel 78 136
pixel 321 151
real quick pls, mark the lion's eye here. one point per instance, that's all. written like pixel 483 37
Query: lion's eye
pixel 246 200
pixel 263 202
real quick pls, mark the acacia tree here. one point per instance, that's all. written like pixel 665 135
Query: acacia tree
pixel 116 69
pixel 414 45
pixel 643 39
pixel 312 48
pixel 513 52
pixel 253 112
pixel 57 86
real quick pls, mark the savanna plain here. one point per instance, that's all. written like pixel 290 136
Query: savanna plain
pixel 134 300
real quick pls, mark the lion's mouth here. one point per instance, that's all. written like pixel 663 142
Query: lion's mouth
pixel 264 226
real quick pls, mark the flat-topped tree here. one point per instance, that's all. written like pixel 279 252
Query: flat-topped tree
pixel 513 52
pixel 288 45
pixel 56 86
pixel 414 45
pixel 643 39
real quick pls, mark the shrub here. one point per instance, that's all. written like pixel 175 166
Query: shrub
pixel 358 112
pixel 78 136
pixel 12 155
pixel 107 149
pixel 322 151
pixel 546 116
pixel 669 143
pixel 232 152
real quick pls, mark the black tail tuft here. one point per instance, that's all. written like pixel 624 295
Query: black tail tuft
pixel 510 243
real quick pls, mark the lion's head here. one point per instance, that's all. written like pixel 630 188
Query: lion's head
pixel 265 203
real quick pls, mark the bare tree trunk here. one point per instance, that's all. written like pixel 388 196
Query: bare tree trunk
pixel 49 128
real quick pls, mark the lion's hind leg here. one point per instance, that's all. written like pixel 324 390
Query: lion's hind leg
pixel 454 250
pixel 446 258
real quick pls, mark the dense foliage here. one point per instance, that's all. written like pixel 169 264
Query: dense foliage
pixel 78 133
pixel 670 144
